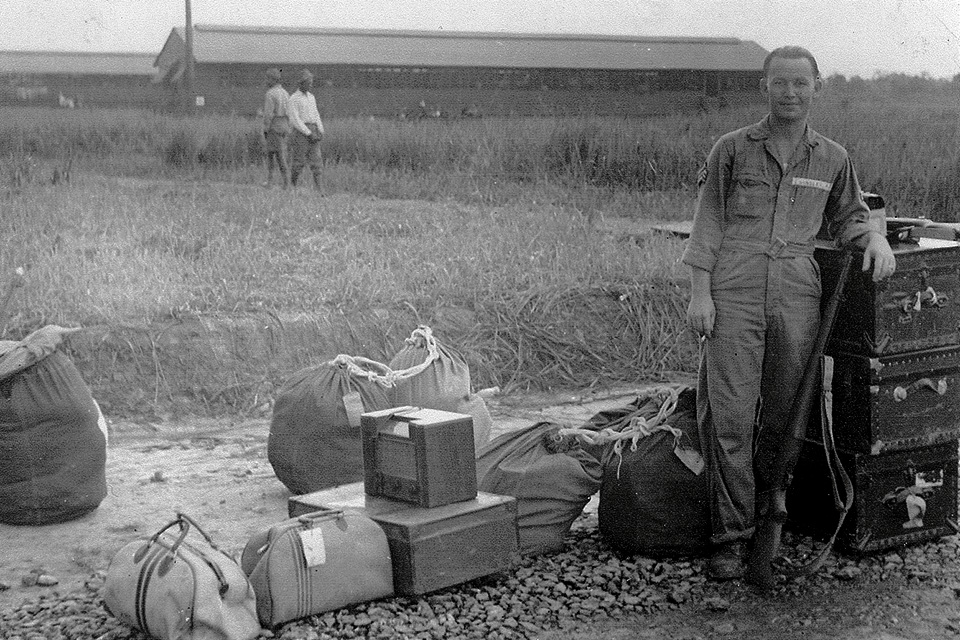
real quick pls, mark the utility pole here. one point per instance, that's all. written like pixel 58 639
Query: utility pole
pixel 188 79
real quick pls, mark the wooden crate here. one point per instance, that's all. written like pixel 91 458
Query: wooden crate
pixel 432 548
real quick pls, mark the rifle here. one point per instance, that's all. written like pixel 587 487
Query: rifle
pixel 773 508
pixel 907 229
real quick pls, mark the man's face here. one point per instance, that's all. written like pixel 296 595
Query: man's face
pixel 790 87
pixel 306 85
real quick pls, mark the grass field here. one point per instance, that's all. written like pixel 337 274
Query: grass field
pixel 500 223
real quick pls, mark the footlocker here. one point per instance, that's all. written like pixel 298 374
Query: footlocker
pixel 918 307
pixel 900 497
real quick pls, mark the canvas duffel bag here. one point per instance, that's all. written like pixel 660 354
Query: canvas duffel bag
pixel 315 439
pixel 53 449
pixel 317 562
pixel 178 589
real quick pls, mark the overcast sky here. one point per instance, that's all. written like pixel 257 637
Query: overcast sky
pixel 852 37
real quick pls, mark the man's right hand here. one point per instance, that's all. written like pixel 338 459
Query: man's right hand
pixel 701 314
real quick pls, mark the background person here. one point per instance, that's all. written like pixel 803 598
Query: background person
pixel 765 192
pixel 307 130
pixel 276 125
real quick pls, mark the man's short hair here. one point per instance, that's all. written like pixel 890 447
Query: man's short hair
pixel 791 51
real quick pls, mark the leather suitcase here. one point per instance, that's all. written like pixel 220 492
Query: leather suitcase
pixel 900 401
pixel 317 562
pixel 917 308
pixel 423 456
pixel 900 497
pixel 432 548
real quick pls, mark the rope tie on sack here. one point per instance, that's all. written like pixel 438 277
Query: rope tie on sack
pixel 366 369
pixel 425 334
pixel 633 426
pixel 382 374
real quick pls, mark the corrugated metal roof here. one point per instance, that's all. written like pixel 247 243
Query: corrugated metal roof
pixel 259 45
pixel 77 63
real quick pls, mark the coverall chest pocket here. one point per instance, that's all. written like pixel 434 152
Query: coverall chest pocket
pixel 810 194
pixel 751 196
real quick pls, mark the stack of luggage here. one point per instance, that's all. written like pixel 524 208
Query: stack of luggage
pixel 895 353
pixel 420 487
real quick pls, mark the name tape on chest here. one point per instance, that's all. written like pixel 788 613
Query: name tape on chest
pixel 810 182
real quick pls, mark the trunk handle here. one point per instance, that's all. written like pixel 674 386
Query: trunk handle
pixel 939 387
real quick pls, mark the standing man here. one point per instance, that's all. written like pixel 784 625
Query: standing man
pixel 276 125
pixel 765 191
pixel 307 130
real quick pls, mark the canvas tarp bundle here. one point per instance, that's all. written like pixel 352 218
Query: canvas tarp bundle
pixel 315 438
pixel 653 500
pixel 52 450
pixel 551 487
pixel 433 375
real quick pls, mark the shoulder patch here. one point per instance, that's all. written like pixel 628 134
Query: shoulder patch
pixel 702 175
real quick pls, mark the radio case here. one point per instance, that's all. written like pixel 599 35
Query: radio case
pixel 422 456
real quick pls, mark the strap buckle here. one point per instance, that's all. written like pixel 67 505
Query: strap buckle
pixel 776 248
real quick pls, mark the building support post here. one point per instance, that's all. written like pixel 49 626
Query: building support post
pixel 188 77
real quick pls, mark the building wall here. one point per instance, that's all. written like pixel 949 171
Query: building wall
pixel 83 90
pixel 399 92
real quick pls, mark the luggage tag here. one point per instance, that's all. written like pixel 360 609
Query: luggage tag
pixel 314 548
pixel 690 458
pixel 354 406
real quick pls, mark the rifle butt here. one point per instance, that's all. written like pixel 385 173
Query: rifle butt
pixel 766 542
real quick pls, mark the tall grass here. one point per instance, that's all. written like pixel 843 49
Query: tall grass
pixel 489 221
pixel 533 279
pixel 906 150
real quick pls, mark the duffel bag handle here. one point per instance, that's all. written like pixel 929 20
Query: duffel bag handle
pixel 142 551
pixel 185 523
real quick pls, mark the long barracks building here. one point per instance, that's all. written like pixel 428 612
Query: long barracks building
pixel 427 73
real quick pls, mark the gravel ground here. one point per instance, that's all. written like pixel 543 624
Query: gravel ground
pixel 588 591
pixel 585 592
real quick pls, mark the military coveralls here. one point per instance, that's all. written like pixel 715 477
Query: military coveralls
pixel 753 231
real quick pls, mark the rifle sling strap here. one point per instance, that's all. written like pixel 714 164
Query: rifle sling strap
pixel 834 466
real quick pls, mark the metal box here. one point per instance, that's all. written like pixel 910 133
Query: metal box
pixel 917 308
pixel 432 548
pixel 900 401
pixel 422 456
pixel 900 497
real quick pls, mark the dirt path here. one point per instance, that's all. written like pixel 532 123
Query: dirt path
pixel 218 472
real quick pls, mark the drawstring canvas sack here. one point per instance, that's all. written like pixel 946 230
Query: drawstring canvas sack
pixel 315 438
pixel 53 453
pixel 653 497
pixel 552 484
pixel 432 375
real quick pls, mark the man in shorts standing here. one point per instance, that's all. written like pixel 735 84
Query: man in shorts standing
pixel 276 126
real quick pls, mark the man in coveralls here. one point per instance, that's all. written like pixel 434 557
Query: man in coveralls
pixel 765 192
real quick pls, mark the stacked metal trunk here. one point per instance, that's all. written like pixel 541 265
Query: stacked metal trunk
pixel 895 391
